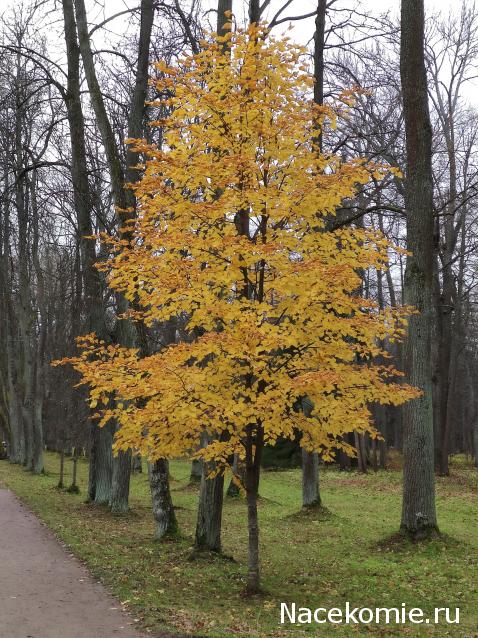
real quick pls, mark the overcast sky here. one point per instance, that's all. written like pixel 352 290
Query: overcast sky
pixel 304 29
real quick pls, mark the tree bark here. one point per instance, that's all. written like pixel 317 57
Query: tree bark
pixel 222 7
pixel 310 479
pixel 163 511
pixel 196 472
pixel 99 481
pixel 254 446
pixel 39 372
pixel 310 469
pixel 237 468
pixel 254 11
pixel 123 197
pixel 418 506
pixel 101 465
pixel 310 460
pixel 120 482
pixel 209 520
pixel 74 489
pixel 61 480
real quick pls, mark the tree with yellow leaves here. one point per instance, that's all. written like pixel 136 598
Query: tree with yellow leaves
pixel 231 234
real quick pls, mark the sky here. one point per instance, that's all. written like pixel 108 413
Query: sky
pixel 304 29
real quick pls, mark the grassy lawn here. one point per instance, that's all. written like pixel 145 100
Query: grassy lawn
pixel 315 560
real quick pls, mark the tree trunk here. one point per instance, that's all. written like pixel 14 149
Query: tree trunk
pixel 74 489
pixel 418 507
pixel 475 441
pixel 237 468
pixel 100 439
pixel 120 482
pixel 382 455
pixel 196 472
pixel 123 197
pixel 310 468
pixel 101 465
pixel 61 480
pixel 163 511
pixel 137 464
pixel 254 11
pixel 223 6
pixel 211 497
pixel 209 520
pixel 361 456
pixel 310 479
pixel 39 372
pixel 254 446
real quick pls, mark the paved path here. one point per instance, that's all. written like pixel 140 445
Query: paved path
pixel 44 592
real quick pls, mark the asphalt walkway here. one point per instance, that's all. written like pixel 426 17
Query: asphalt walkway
pixel 44 591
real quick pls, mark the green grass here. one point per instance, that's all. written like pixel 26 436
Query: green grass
pixel 314 560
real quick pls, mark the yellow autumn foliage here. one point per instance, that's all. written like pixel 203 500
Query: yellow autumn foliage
pixel 231 233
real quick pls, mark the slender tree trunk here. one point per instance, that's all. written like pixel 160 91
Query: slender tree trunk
pixel 61 480
pixel 418 507
pixel 39 371
pixel 310 460
pixel 254 446
pixel 24 310
pixel 237 468
pixel 158 472
pixel 344 461
pixel 137 464
pixel 475 440
pixel 15 418
pixel 211 494
pixel 74 489
pixel 361 457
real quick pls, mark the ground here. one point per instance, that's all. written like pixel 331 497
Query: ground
pixel 314 559
pixel 44 591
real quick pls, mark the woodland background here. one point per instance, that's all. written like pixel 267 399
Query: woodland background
pixel 73 84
